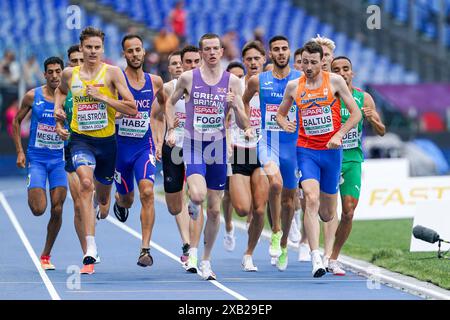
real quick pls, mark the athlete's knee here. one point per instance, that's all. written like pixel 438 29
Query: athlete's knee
pixel 174 208
pixel 276 186
pixel 197 197
pixel 287 203
pixel 213 213
pixel 259 212
pixel 327 214
pixel 126 201
pixel 37 210
pixel 146 194
pixel 312 198
pixel 241 210
pixel 347 216
pixel 86 185
pixel 57 208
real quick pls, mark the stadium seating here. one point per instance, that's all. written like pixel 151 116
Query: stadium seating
pixel 219 16
pixel 36 26
pixel 39 27
pixel 425 12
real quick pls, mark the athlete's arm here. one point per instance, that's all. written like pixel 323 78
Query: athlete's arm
pixel 157 114
pixel 251 89
pixel 341 90
pixel 61 95
pixel 127 104
pixel 180 89
pixel 370 113
pixel 25 107
pixel 286 104
pixel 236 103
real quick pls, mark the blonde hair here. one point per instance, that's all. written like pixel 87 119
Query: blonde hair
pixel 323 41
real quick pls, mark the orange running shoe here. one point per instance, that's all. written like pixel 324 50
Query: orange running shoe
pixel 46 264
pixel 87 269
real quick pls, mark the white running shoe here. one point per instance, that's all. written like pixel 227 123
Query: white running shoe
pixel 229 241
pixel 247 264
pixel 206 271
pixel 294 232
pixel 273 261
pixel 193 210
pixel 318 268
pixel 335 268
pixel 97 259
pixel 304 253
pixel 191 264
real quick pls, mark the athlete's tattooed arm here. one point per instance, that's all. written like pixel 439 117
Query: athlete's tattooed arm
pixel 341 91
pixel 286 104
pixel 371 114
pixel 25 108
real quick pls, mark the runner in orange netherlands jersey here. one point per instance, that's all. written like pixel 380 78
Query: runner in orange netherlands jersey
pixel 319 153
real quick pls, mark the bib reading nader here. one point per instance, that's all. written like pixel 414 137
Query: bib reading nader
pixel 92 117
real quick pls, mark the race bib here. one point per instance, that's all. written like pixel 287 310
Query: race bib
pixel 208 119
pixel 351 139
pixel 46 137
pixel 317 121
pixel 92 116
pixel 271 117
pixel 134 127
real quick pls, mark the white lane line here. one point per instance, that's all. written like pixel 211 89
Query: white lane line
pixel 136 234
pixel 48 284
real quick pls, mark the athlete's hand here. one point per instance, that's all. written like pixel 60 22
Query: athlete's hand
pixel 176 122
pixel 368 112
pixel 231 99
pixel 158 153
pixel 170 138
pixel 94 92
pixel 335 141
pixel 249 133
pixel 20 162
pixel 290 126
pixel 60 115
pixel 62 132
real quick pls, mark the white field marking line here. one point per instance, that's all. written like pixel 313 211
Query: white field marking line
pixel 170 255
pixel 48 284
pixel 138 291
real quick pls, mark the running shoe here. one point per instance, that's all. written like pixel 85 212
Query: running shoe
pixel 97 259
pixel 335 268
pixel 87 269
pixel 46 264
pixel 247 264
pixel 185 256
pixel 120 213
pixel 191 264
pixel 273 261
pixel 206 271
pixel 89 259
pixel 282 261
pixel 304 252
pixel 145 259
pixel 294 232
pixel 229 241
pixel 275 247
pixel 193 210
pixel 317 263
